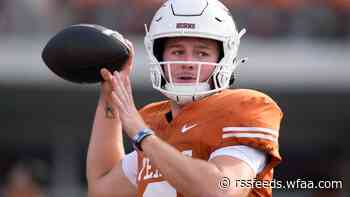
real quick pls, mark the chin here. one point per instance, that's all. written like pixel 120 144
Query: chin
pixel 184 81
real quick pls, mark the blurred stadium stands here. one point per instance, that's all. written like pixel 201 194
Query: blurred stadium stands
pixel 298 53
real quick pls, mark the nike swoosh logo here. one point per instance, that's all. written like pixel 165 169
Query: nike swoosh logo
pixel 185 128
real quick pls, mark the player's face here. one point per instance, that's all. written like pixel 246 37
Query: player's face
pixel 190 49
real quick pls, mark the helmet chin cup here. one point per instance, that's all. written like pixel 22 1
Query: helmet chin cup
pixel 190 89
pixel 183 93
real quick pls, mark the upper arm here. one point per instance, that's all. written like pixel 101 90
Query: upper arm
pixel 233 169
pixel 117 182
pixel 237 163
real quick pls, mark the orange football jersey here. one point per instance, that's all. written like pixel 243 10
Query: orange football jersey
pixel 230 117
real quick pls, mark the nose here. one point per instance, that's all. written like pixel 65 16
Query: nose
pixel 187 66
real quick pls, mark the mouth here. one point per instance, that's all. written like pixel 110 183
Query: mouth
pixel 185 76
pixel 185 79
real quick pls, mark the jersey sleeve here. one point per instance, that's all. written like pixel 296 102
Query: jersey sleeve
pixel 130 167
pixel 254 120
pixel 256 159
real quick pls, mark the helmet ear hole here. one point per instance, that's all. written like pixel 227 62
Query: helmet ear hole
pixel 232 79
pixel 221 51
pixel 163 82
pixel 158 48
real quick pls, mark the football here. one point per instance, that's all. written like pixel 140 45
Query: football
pixel 78 52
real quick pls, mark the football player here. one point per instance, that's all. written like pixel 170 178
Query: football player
pixel 205 139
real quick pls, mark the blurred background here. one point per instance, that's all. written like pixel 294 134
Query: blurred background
pixel 299 53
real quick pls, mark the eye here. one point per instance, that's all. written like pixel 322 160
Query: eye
pixel 177 52
pixel 202 54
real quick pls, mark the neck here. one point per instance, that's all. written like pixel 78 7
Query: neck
pixel 175 108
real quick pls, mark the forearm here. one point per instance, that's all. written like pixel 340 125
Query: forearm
pixel 106 144
pixel 189 176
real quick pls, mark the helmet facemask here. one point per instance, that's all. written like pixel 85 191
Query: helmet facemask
pixel 185 81
pixel 187 77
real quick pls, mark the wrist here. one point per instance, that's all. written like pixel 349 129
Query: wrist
pixel 134 126
pixel 140 136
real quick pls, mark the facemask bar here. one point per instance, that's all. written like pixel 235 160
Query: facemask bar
pixel 185 86
pixel 198 72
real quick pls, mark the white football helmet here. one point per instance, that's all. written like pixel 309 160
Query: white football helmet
pixel 208 19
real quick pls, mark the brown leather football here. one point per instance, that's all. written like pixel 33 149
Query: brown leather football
pixel 78 52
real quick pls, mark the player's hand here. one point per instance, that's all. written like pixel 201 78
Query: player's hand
pixel 118 93
pixel 108 85
pixel 123 102
pixel 128 66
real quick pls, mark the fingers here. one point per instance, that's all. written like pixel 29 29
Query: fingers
pixel 127 84
pixel 117 101
pixel 127 68
pixel 131 47
pixel 121 91
pixel 125 79
pixel 107 87
pixel 116 90
pixel 106 75
pixel 119 98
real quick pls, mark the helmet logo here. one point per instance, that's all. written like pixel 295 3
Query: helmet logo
pixel 185 26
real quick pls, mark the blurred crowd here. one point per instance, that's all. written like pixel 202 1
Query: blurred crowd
pixel 25 179
pixel 262 18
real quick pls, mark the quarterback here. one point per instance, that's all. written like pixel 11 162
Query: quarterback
pixel 205 136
